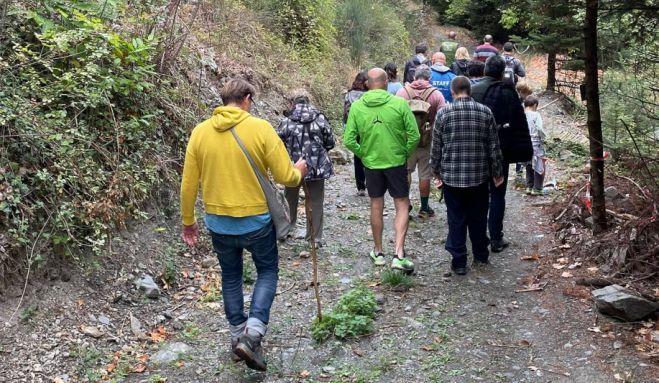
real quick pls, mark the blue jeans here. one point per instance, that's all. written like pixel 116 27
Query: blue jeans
pixel 498 206
pixel 466 208
pixel 262 244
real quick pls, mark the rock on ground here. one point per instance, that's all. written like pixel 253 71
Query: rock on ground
pixel 615 301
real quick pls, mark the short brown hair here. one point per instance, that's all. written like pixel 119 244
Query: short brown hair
pixel 530 101
pixel 461 85
pixel 235 91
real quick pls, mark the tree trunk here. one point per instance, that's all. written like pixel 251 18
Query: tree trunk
pixel 551 71
pixel 594 118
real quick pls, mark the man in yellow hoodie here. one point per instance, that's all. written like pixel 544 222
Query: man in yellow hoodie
pixel 237 214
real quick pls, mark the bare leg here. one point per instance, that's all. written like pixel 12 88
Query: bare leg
pixel 400 223
pixel 377 221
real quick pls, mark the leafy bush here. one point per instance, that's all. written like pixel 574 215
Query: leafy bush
pixel 80 120
pixel 351 317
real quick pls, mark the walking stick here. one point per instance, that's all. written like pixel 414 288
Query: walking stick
pixel 312 243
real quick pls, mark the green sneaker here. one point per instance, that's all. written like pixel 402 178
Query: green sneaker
pixel 529 191
pixel 378 259
pixel 402 264
pixel 537 192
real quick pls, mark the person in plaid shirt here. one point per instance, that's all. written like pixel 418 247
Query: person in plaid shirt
pixel 465 155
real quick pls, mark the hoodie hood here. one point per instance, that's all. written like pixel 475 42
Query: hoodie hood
pixel 440 68
pixel 376 97
pixel 420 84
pixel 226 117
pixel 303 113
pixel 462 64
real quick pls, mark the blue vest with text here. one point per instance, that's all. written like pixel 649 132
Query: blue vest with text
pixel 442 81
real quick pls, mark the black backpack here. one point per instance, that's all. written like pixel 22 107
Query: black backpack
pixel 509 76
pixel 514 137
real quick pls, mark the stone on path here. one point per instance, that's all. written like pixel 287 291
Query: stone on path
pixel 170 353
pixel 615 301
pixel 339 156
pixel 209 262
pixel 149 286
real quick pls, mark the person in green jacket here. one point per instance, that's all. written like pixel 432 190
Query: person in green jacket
pixel 388 135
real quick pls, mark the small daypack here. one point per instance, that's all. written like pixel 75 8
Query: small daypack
pixel 421 109
pixel 509 72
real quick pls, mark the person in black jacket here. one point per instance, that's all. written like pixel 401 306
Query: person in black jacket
pixel 418 59
pixel 514 138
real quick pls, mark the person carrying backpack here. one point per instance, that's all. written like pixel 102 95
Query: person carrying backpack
pixel 307 134
pixel 461 64
pixel 514 68
pixel 425 101
pixel 418 59
pixel 514 138
pixel 449 47
pixel 441 76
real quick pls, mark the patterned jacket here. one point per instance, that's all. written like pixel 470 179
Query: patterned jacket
pixel 307 134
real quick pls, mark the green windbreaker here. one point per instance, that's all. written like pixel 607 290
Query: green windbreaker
pixel 386 128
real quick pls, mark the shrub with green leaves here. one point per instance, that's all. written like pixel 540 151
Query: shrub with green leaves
pixel 80 123
pixel 352 316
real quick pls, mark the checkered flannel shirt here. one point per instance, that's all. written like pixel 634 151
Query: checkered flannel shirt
pixel 465 145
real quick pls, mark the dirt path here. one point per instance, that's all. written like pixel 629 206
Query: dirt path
pixel 445 329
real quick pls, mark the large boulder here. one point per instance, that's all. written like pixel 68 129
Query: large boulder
pixel 615 301
pixel 148 286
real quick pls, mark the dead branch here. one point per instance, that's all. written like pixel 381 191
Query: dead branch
pixel 597 282
pixel 569 203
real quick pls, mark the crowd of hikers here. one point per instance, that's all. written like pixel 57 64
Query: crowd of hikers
pixel 456 119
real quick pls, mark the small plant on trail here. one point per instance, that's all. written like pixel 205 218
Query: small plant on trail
pixel 28 314
pixel 352 316
pixel 191 330
pixel 397 280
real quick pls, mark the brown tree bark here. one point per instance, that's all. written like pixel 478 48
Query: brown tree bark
pixel 551 71
pixel 594 118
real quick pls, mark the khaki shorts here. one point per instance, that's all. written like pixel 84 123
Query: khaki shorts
pixel 420 157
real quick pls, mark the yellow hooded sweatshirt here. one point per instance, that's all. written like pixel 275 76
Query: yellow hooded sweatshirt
pixel 228 184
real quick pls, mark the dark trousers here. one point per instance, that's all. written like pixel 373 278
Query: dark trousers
pixel 497 206
pixel 534 180
pixel 466 209
pixel 262 244
pixel 360 175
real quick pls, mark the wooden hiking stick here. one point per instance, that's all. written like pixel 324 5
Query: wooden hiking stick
pixel 312 243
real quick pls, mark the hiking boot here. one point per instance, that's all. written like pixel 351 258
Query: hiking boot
pixel 459 270
pixel 529 191
pixel 249 349
pixel 426 213
pixel 378 259
pixel 537 192
pixel 403 264
pixel 361 193
pixel 234 357
pixel 498 246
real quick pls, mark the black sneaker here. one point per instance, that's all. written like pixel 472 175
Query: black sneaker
pixel 249 349
pixel 498 246
pixel 459 270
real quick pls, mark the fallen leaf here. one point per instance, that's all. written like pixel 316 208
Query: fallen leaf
pixel 566 274
pixel 574 265
pixel 565 246
pixel 595 329
pixel 533 257
pixel 593 269
pixel 533 368
pixel 139 368
pixel 563 260
pixel 80 302
pixel 374 284
pixel 111 367
pixel 142 358
pixel 428 348
pixel 438 339
pixel 180 364
pixel 91 331
pixel 523 343
pixel 304 374
pixel 557 266
pixel 358 352
pixel 295 264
